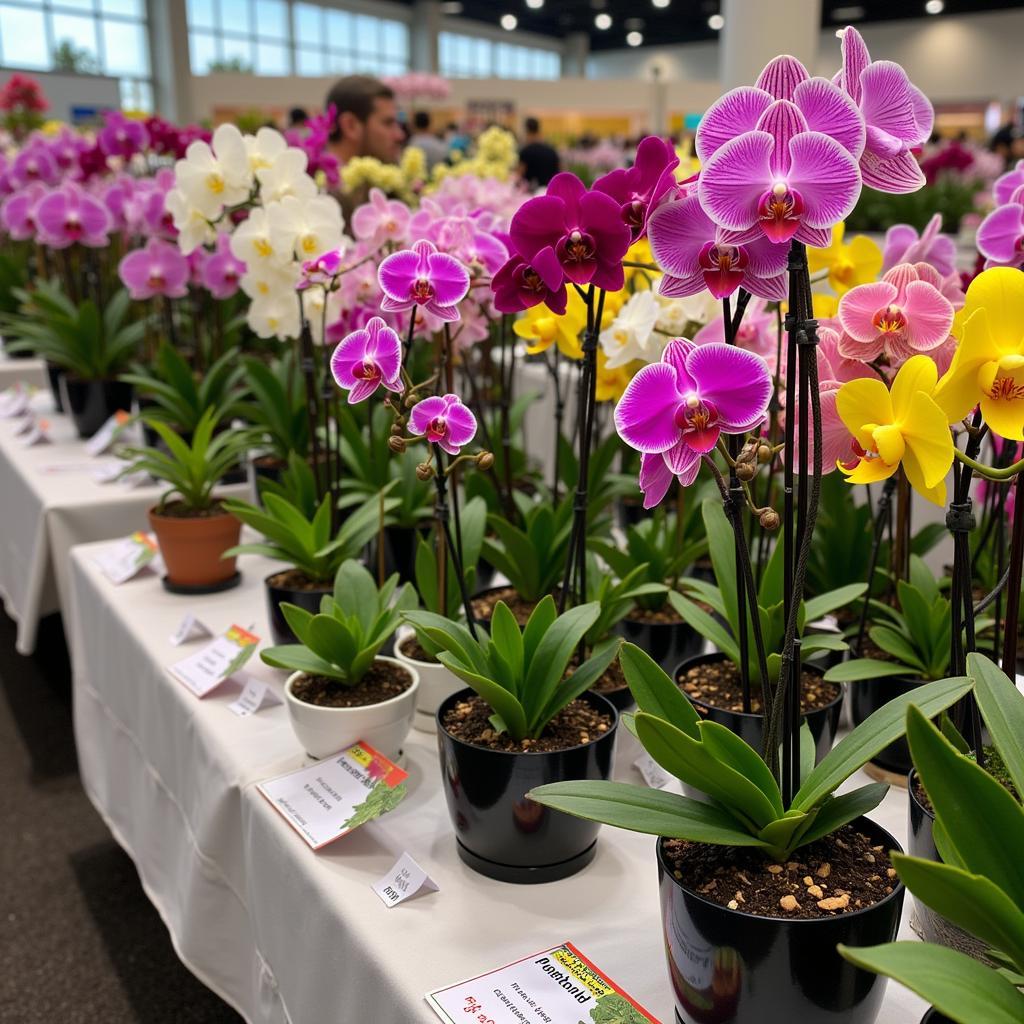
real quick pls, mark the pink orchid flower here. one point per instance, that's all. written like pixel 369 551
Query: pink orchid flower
pixel 445 421
pixel 158 269
pixel 903 245
pixel 640 188
pixel 678 408
pixel 17 214
pixel 1000 236
pixel 899 316
pixel 422 276
pixel 518 285
pixel 222 271
pixel 758 332
pixel 381 219
pixel 368 359
pixel 70 215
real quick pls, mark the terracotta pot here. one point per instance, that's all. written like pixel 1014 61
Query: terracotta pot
pixel 192 548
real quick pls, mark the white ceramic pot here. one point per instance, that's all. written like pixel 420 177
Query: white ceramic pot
pixel 325 731
pixel 437 684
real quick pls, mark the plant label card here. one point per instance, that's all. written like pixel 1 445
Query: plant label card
pixel 327 800
pixel 108 433
pixel 38 433
pixel 654 775
pixel 25 425
pixel 190 628
pixel 107 471
pixel 256 694
pixel 123 560
pixel 13 401
pixel 205 670
pixel 555 986
pixel 405 880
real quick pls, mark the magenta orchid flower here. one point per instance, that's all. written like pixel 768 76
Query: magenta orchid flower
pixel 897 116
pixel 583 228
pixel 17 214
pixel 518 285
pixel 1007 184
pixel 694 255
pixel 368 359
pixel 904 245
pixel 678 408
pixel 422 276
pixel 462 238
pixel 34 163
pixel 900 316
pixel 758 332
pixel 1000 236
pixel 158 269
pixel 323 270
pixel 381 219
pixel 640 188
pixel 222 271
pixel 122 136
pixel 444 421
pixel 70 215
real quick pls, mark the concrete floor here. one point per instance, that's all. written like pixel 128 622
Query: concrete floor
pixel 79 941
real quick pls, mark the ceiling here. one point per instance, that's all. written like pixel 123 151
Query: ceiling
pixel 682 21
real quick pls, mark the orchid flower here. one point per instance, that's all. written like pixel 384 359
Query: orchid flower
pixel 757 333
pixel 639 189
pixel 221 272
pixel 694 254
pixel 679 407
pixel 381 219
pixel 157 269
pixel 631 335
pixel 422 276
pixel 445 421
pixel 17 214
pixel 901 315
pixel 897 116
pixel 519 285
pixel 848 263
pixel 903 245
pixel 214 176
pixel 902 426
pixel 122 136
pixel 1001 234
pixel 368 359
pixel 70 215
pixel 583 228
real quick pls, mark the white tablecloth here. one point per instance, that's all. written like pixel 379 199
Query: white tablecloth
pixel 286 934
pixel 49 502
pixel 27 371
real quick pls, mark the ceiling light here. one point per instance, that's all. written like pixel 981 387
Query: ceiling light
pixel 535 5
pixel 509 22
pixel 852 13
pixel 716 22
pixel 661 3
pixel 634 38
pixel 603 21
pixel 934 6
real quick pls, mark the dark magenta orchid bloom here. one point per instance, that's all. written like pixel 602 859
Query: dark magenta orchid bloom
pixel 518 285
pixel 368 359
pixel 639 189
pixel 584 228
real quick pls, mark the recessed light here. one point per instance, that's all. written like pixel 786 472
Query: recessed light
pixel 603 21
pixel 661 3
pixel 934 6
pixel 852 13
pixel 716 22
pixel 535 5
pixel 634 38
pixel 509 22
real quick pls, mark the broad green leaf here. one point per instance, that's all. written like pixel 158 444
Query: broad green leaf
pixel 579 682
pixel 739 755
pixel 298 620
pixel 655 692
pixel 898 646
pixel 329 639
pixel 816 607
pixel 1002 707
pixel 841 810
pixel 507 640
pixel 709 628
pixel 503 702
pixel 957 985
pixel 860 669
pixel 299 658
pixel 880 729
pixel 537 625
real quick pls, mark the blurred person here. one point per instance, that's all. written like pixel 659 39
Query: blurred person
pixel 538 160
pixel 366 120
pixel 297 117
pixel 455 138
pixel 435 151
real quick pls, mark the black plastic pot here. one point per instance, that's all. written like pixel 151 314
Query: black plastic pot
pixel 823 723
pixel 934 1017
pixel 499 832
pixel 92 402
pixel 485 573
pixel 668 643
pixel 728 967
pixel 866 697
pixel 276 596
pixel 55 374
pixel 400 544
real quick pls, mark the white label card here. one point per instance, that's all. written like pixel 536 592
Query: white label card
pixel 556 986
pixel 255 695
pixel 107 434
pixel 25 425
pixel 121 561
pixel 205 670
pixel 38 433
pixel 654 775
pixel 327 800
pixel 190 628
pixel 405 880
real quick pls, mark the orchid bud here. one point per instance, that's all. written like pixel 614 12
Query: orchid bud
pixel 745 471
pixel 764 454
pixel 398 425
pixel 396 443
pixel 424 471
pixel 484 460
pixel 769 519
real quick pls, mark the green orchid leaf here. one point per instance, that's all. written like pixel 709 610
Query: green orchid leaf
pixel 655 692
pixel 503 702
pixel 1002 708
pixel 857 670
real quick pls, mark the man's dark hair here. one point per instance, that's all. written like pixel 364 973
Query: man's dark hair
pixel 355 94
pixel 421 121
pixel 297 117
pixel 532 126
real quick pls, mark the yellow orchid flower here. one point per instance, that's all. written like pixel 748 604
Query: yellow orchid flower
pixel 541 329
pixel 988 366
pixel 611 383
pixel 901 426
pixel 848 264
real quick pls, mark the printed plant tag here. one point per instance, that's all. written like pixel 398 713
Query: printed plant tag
pixel 205 670
pixel 255 695
pixel 190 628
pixel 123 560
pixel 405 880
pixel 108 433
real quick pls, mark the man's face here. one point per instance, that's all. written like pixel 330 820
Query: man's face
pixel 382 134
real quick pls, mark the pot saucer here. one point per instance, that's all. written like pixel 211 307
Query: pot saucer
pixel 202 588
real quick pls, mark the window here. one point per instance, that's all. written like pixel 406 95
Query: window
pixel 95 36
pixel 279 37
pixel 462 56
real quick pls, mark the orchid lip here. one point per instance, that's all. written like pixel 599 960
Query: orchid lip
pixel 890 320
pixel 779 211
pixel 577 247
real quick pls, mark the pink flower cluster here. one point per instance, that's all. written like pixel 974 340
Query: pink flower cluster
pixel 1001 233
pixel 419 85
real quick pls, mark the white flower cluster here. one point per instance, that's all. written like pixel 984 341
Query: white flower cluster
pixel 646 323
pixel 286 220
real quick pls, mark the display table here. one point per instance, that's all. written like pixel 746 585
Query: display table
pixel 25 371
pixel 288 935
pixel 51 502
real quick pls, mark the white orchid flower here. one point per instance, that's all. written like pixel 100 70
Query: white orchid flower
pixel 306 227
pixel 194 229
pixel 275 317
pixel 212 178
pixel 631 334
pixel 252 242
pixel 286 176
pixel 265 281
pixel 264 148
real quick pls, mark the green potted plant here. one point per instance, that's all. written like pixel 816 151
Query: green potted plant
pixel 341 688
pixel 713 682
pixel 436 680
pixel 87 346
pixel 520 724
pixel 756 889
pixel 306 543
pixel 194 530
pixel 978 885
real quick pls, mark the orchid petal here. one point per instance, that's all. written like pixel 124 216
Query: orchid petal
pixel 858 306
pixel 826 176
pixel 781 76
pixel 829 110
pixel 730 115
pixel 896 174
pixel 655 478
pixel 887 101
pixel 734 179
pixel 855 59
pixel 735 381
pixel 645 415
pixel 782 120
pixel 677 232
pixel 929 316
pixel 538 224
